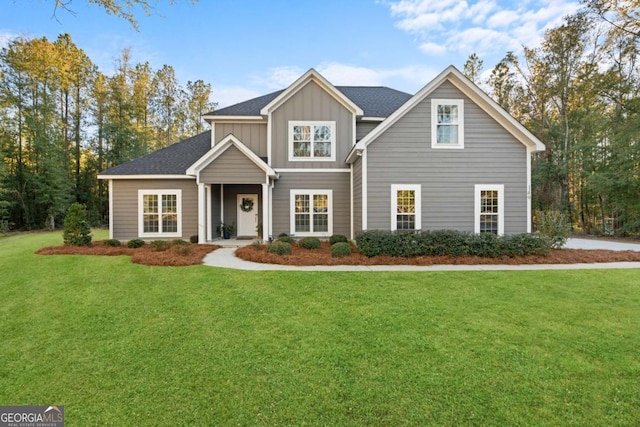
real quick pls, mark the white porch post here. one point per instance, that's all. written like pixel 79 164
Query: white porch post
pixel 265 211
pixel 209 223
pixel 202 212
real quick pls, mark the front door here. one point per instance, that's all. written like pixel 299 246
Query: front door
pixel 247 215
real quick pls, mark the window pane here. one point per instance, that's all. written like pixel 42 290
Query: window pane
pixel 301 133
pixel 150 223
pixel 406 201
pixel 169 223
pixel 169 203
pixel 150 203
pixel 406 222
pixel 448 114
pixel 321 203
pixel 489 224
pixel 447 134
pixel 322 149
pixel 322 134
pixel 489 201
pixel 320 223
pixel 302 203
pixel 302 223
pixel 301 149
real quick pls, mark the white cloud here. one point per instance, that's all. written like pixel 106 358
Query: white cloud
pixel 433 48
pixel 502 19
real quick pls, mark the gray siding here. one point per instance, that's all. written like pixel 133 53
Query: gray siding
pixel 363 129
pixel 125 204
pixel 339 182
pixel 215 209
pixel 310 103
pixel 232 167
pixel 491 155
pixel 357 196
pixel 253 135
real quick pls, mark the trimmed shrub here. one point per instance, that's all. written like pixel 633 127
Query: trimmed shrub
pixel 135 243
pixel 337 238
pixel 159 245
pixel 179 242
pixel 282 235
pixel 280 248
pixel 194 239
pixel 309 243
pixel 182 249
pixel 285 239
pixel 76 226
pixel 525 244
pixel 554 226
pixel 340 249
pixel 112 242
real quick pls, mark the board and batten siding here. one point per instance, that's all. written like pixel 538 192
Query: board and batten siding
pixel 311 103
pixel 403 155
pixel 363 129
pixel 339 182
pixel 125 204
pixel 232 167
pixel 253 135
pixel 357 196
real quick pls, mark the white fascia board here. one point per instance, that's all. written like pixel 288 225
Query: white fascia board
pixel 372 119
pixel 311 75
pixel 145 177
pixel 222 118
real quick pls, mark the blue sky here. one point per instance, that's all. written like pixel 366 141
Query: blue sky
pixel 249 48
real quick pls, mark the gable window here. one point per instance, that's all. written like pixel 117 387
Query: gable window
pixel 312 141
pixel 311 212
pixel 447 123
pixel 489 209
pixel 160 213
pixel 405 207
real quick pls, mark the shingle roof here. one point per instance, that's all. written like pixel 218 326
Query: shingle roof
pixel 375 101
pixel 172 160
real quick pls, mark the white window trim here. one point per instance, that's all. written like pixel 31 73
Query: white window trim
pixel 159 193
pixel 489 187
pixel 311 158
pixel 394 203
pixel 292 212
pixel 434 124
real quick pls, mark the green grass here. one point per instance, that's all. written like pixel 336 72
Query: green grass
pixel 122 344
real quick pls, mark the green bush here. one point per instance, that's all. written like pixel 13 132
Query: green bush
pixel 309 243
pixel 179 242
pixel 112 242
pixel 554 226
pixel 285 239
pixel 337 238
pixel 340 249
pixel 194 239
pixel 159 245
pixel 280 248
pixel 76 226
pixel 135 243
pixel 448 243
pixel 182 249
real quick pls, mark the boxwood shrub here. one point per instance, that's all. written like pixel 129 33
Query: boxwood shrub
pixel 112 242
pixel 280 248
pixel 340 249
pixel 285 239
pixel 135 243
pixel 309 243
pixel 448 243
pixel 160 245
pixel 336 238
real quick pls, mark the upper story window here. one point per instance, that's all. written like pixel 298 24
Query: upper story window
pixel 312 141
pixel 447 123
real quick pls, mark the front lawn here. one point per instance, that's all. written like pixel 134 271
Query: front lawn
pixel 128 345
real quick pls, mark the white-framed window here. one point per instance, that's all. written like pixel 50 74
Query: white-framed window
pixel 489 209
pixel 160 213
pixel 447 123
pixel 406 207
pixel 311 212
pixel 312 141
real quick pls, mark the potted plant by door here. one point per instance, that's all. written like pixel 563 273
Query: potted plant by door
pixel 225 230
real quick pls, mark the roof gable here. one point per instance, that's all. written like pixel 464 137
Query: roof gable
pixel 473 92
pixel 311 75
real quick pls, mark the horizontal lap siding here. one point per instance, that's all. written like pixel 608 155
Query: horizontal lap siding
pixel 232 167
pixel 403 155
pixel 125 204
pixel 338 182
pixel 253 135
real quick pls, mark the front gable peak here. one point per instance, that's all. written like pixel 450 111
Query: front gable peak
pixel 311 76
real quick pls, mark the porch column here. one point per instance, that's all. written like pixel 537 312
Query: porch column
pixel 202 213
pixel 209 223
pixel 265 211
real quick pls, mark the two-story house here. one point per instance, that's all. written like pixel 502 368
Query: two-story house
pixel 316 159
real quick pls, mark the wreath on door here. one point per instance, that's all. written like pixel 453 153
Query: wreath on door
pixel 246 205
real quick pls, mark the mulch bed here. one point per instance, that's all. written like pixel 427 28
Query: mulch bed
pixel 322 256
pixel 175 255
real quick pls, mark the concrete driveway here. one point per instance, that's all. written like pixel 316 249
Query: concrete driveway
pixel 601 244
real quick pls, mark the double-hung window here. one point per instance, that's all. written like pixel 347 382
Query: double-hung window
pixel 405 207
pixel 489 209
pixel 447 123
pixel 312 141
pixel 311 212
pixel 160 213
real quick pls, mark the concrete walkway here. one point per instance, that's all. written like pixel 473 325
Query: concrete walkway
pixel 225 258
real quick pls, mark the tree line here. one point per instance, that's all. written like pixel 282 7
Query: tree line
pixel 579 93
pixel 62 121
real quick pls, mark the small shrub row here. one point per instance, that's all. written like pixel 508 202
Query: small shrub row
pixel 338 238
pixel 135 243
pixel 112 242
pixel 279 247
pixel 340 249
pixel 449 243
pixel 309 243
